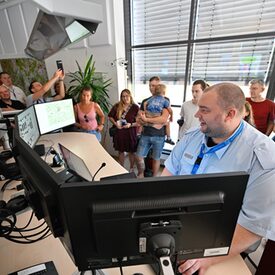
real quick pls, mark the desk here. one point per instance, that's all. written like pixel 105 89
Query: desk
pixel 18 256
pixel 90 150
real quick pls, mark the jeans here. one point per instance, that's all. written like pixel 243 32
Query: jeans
pixel 147 142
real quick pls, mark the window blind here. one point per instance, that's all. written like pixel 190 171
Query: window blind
pixel 160 42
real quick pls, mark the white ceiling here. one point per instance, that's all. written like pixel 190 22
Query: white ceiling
pixel 17 19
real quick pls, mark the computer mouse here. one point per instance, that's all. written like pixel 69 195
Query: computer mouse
pixel 17 204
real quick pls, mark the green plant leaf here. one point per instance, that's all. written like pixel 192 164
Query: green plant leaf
pixel 89 77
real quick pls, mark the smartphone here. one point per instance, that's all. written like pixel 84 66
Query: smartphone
pixel 59 65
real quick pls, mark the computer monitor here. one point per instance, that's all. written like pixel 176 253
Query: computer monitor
pixel 75 164
pixel 27 126
pixel 40 182
pixel 54 115
pixel 134 221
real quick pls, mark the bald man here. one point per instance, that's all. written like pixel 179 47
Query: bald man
pixel 235 146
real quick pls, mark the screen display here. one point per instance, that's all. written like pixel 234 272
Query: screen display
pixel 54 115
pixel 76 31
pixel 28 127
pixel 75 164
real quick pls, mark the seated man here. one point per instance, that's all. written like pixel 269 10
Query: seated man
pixel 15 92
pixel 226 143
pixel 8 104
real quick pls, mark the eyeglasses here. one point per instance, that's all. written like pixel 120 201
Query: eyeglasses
pixel 86 118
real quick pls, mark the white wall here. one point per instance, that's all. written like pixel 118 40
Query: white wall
pixel 107 45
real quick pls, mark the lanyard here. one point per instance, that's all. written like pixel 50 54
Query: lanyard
pixel 214 148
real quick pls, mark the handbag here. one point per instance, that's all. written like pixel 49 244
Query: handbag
pixel 112 131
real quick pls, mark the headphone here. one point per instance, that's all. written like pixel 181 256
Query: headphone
pixel 14 205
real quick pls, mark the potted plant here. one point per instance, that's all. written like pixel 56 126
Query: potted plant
pixel 89 77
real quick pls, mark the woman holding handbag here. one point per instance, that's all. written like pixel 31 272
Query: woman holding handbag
pixel 123 117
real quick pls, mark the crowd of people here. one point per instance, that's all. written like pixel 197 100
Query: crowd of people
pixel 138 131
pixel 219 126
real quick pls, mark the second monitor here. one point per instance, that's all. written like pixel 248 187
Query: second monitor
pixel 54 115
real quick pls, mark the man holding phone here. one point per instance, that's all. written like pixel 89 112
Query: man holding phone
pixel 38 90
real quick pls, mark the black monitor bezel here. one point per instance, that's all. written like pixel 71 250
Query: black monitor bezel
pixel 41 184
pixel 38 129
pixel 79 197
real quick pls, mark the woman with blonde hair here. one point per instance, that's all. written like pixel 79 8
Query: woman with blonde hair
pixel 123 117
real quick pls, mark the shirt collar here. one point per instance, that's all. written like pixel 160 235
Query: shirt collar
pixel 219 153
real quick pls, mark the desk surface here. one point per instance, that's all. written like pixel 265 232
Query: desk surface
pixel 90 150
pixel 18 256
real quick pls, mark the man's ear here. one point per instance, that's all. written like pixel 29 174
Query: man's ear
pixel 231 114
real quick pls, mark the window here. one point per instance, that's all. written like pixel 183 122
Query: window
pixel 183 40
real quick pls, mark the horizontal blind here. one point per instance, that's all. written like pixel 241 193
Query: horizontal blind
pixel 166 21
pixel 166 62
pixel 158 21
pixel 155 22
pixel 232 61
pixel 226 18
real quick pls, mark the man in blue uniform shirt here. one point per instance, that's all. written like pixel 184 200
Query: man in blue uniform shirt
pixel 225 143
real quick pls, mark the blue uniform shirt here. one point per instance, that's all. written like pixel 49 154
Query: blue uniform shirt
pixel 252 152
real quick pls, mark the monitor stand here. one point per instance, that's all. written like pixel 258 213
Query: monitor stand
pixel 162 246
pixel 166 265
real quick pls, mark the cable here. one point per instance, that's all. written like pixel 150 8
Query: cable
pixel 29 242
pixel 120 268
pixel 9 181
pixel 47 153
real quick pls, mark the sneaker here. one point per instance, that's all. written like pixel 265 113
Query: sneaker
pixel 170 141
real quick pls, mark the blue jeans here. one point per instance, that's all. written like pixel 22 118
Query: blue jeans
pixel 147 142
pixel 93 132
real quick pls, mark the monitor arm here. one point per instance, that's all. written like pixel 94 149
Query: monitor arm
pixel 162 246
pixel 160 242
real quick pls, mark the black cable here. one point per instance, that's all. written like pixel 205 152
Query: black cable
pixel 4 218
pixel 120 268
pixel 46 229
pixel 47 153
pixel 27 236
pixel 28 230
pixel 28 242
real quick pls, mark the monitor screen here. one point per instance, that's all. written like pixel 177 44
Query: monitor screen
pixel 27 126
pixel 54 115
pixel 75 164
pixel 128 221
pixel 76 31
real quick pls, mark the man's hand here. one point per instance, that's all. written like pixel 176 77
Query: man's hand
pixel 242 239
pixel 189 267
pixel 143 116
